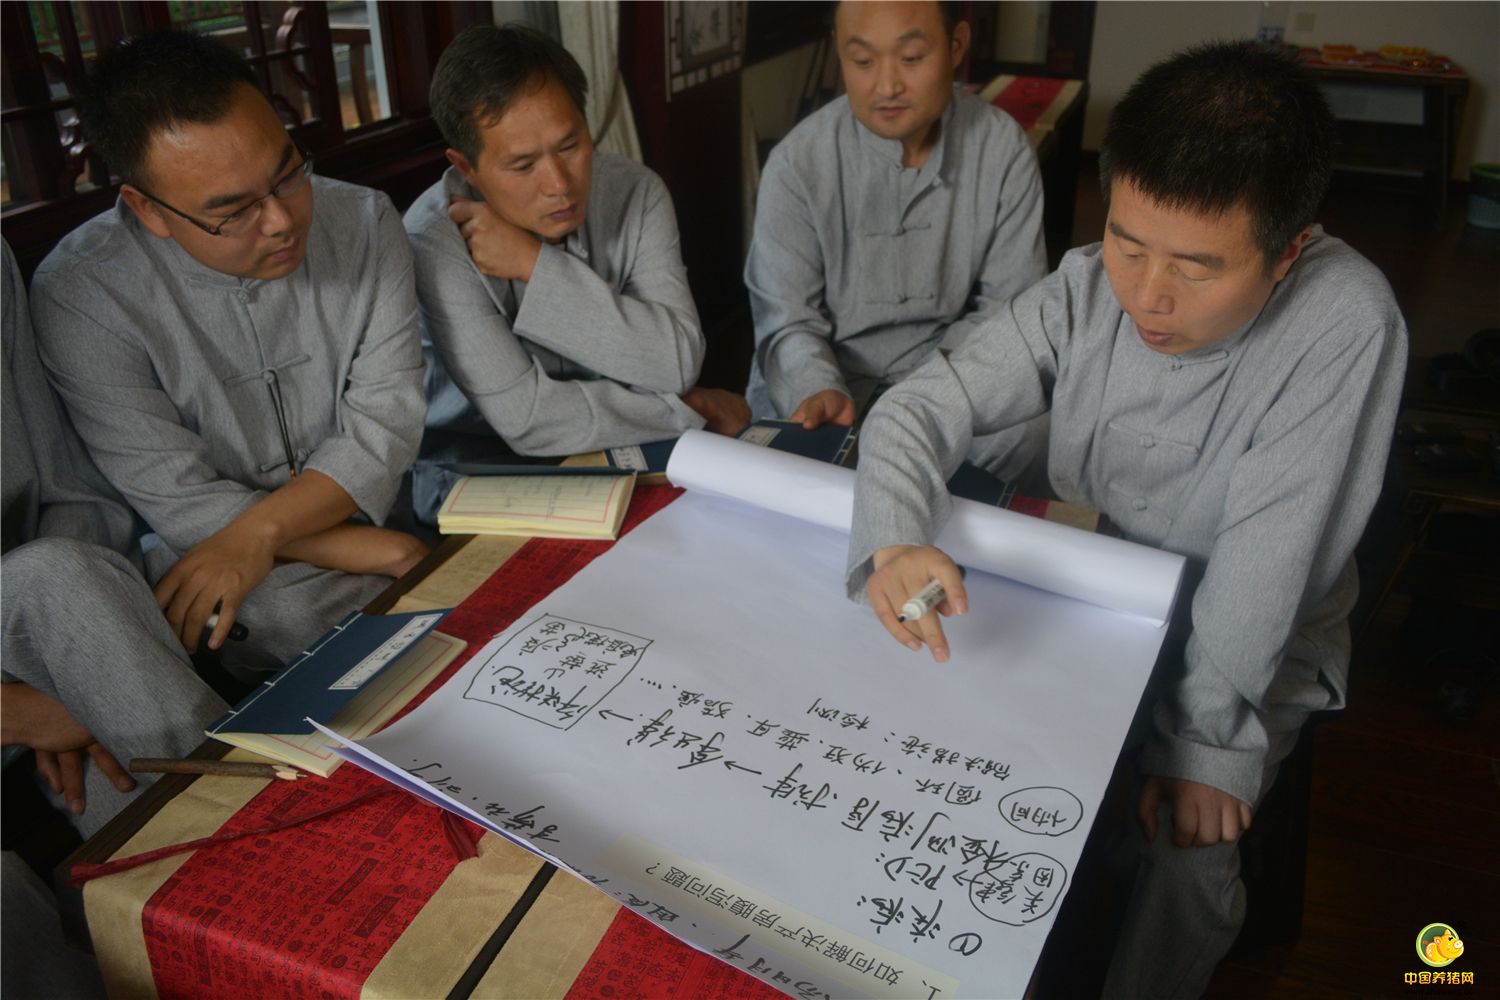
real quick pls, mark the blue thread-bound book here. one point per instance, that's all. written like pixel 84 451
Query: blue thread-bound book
pixel 353 680
pixel 833 443
pixel 829 443
pixel 645 460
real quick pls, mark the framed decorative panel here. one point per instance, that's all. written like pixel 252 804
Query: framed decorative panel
pixel 705 39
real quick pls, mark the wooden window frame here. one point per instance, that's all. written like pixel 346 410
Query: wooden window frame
pixel 400 154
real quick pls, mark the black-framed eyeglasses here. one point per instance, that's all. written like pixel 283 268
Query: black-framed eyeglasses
pixel 289 185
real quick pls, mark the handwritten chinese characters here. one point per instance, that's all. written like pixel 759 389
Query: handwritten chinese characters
pixel 820 812
pixel 555 670
pixel 1051 812
pixel 1020 889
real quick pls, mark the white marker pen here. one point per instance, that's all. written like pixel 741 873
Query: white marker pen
pixel 925 600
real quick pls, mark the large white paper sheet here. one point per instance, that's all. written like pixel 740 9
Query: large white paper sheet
pixel 1109 572
pixel 700 724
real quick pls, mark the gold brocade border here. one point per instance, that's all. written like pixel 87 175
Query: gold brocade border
pixel 552 944
pixel 439 945
pixel 114 905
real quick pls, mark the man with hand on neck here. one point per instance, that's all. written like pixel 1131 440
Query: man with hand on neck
pixel 555 305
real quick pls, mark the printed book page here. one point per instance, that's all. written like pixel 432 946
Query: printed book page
pixel 550 506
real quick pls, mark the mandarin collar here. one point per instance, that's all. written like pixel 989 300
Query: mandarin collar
pixel 179 260
pixel 1272 303
pixel 1231 343
pixel 573 243
pixel 891 149
pixel 1221 348
pixel 1217 351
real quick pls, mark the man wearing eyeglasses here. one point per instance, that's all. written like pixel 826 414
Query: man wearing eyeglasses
pixel 236 343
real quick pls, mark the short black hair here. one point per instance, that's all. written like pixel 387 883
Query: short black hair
pixel 1222 124
pixel 154 82
pixel 486 68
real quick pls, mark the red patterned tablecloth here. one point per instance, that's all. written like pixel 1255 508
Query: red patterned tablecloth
pixel 312 910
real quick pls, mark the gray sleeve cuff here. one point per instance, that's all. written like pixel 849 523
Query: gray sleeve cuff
pixel 364 477
pixel 1238 772
pixel 646 336
pixel 802 367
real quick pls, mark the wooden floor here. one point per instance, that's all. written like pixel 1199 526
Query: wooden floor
pixel 1405 827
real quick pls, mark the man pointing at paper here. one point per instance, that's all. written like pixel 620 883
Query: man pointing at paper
pixel 1223 379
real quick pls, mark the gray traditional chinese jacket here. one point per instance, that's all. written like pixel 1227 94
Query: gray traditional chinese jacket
pixel 1259 458
pixel 48 484
pixel 174 373
pixel 593 352
pixel 859 269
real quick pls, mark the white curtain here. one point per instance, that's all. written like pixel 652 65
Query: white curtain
pixel 591 31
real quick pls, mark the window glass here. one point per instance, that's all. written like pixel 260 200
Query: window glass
pixel 359 61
